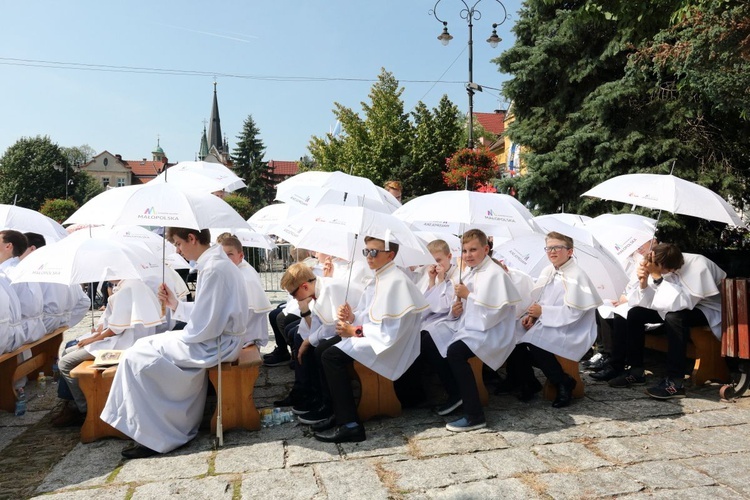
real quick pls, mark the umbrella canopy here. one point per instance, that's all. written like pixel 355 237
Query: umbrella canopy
pixel 331 229
pixel 527 254
pixel 157 204
pixel 265 219
pixel 201 175
pixel 80 258
pixel 622 234
pixel 248 237
pixel 574 220
pixel 457 211
pixel 552 222
pixel 667 192
pixel 133 235
pixel 312 189
pixel 26 220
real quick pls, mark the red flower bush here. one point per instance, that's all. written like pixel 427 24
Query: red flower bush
pixel 475 167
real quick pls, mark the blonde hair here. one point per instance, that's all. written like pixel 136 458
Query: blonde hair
pixel 393 185
pixel 229 240
pixel 298 254
pixel 472 234
pixel 439 246
pixel 297 274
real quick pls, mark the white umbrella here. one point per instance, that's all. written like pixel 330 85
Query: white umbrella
pixel 134 235
pixel 311 189
pixel 26 220
pixel 574 220
pixel 622 234
pixel 247 237
pixel 551 222
pixel 340 231
pixel 201 175
pixel 155 204
pixel 457 211
pixel 265 219
pixel 667 192
pixel 527 254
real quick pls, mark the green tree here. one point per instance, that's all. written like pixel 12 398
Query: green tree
pixel 78 155
pixel 250 165
pixel 241 204
pixel 372 147
pixel 83 187
pixel 28 175
pixel 58 209
pixel 588 107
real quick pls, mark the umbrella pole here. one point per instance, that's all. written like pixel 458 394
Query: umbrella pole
pixel 219 424
pixel 351 267
pixel 92 291
pixel 164 264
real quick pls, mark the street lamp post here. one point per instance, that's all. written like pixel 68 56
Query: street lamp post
pixel 471 14
pixel 65 168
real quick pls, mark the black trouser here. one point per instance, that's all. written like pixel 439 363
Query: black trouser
pixel 437 362
pixel 278 321
pixel 604 334
pixel 306 374
pixel 458 359
pixel 335 364
pixel 678 325
pixel 629 337
pixel 525 356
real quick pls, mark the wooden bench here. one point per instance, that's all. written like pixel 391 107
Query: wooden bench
pixel 237 386
pixel 377 396
pixel 476 368
pixel 95 384
pixel 704 348
pixel 571 368
pixel 43 355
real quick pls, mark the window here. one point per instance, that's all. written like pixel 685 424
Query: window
pixel 120 181
pixel 105 181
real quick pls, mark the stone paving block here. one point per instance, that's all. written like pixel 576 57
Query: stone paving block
pixel 109 492
pixel 629 450
pixel 355 479
pixel 701 493
pixel 692 404
pixel 511 462
pixel 569 457
pixel 8 434
pixel 645 408
pixel 25 420
pixel 715 441
pixel 434 430
pixel 600 391
pixel 250 457
pixel 651 426
pixel 378 443
pixel 86 465
pixel 668 475
pixel 531 419
pixel 282 432
pixel 308 450
pixel 208 488
pixel 459 443
pixel 507 489
pixel 437 472
pixel 734 416
pixel 585 411
pixel 729 470
pixel 173 465
pixel 589 484
pixel 289 484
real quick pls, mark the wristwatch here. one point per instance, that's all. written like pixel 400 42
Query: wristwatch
pixel 305 314
pixel 358 332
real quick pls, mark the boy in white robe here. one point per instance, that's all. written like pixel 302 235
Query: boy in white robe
pixel 12 245
pixel 679 290
pixel 561 322
pixel 481 323
pixel 132 312
pixel 260 306
pixel 159 391
pixel 383 335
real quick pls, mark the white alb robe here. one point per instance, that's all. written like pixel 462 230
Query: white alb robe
pixel 487 324
pixel 695 285
pixel 440 299
pixel 257 324
pixel 6 338
pixel 64 305
pixel 390 312
pixel 330 294
pixel 567 326
pixel 15 326
pixel 159 391
pixel 31 301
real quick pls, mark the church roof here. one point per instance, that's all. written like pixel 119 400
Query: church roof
pixel 214 127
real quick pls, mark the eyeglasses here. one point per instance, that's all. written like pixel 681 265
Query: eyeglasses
pixel 294 292
pixel 372 252
pixel 556 248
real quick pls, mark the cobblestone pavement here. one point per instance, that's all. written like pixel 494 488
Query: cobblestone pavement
pixel 612 443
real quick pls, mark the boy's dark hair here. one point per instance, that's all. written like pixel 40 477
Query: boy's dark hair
pixel 17 239
pixel 392 246
pixel 35 240
pixel 668 256
pixel 203 236
pixel 554 235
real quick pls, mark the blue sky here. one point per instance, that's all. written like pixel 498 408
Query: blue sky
pixel 267 45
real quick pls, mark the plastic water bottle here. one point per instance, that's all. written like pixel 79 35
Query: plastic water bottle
pixel 55 371
pixel 41 381
pixel 20 402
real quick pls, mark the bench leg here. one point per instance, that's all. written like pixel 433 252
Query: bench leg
pixel 377 396
pixel 476 368
pixel 238 406
pixel 709 364
pixel 571 368
pixel 7 394
pixel 96 389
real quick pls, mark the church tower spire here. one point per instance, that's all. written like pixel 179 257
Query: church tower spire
pixel 214 130
pixel 203 151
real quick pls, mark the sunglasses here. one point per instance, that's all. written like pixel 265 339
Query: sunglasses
pixel 372 252
pixel 294 292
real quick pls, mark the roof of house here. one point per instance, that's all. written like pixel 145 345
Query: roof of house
pixel 492 122
pixel 283 167
pixel 144 168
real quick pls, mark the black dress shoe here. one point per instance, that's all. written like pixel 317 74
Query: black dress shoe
pixel 342 434
pixel 605 374
pixel 599 364
pixel 564 393
pixel 326 424
pixel 138 451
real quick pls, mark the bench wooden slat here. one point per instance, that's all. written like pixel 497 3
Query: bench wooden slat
pixel 377 395
pixel 704 348
pixel 237 386
pixel 571 369
pixel 43 354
